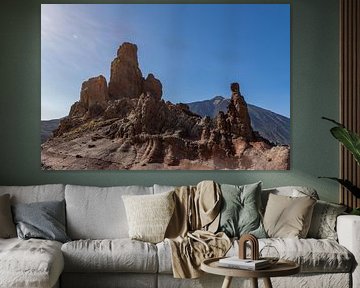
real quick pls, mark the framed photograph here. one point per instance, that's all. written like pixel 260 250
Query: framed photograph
pixel 165 86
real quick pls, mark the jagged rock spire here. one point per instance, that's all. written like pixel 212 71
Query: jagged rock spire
pixel 238 114
pixel 94 92
pixel 126 78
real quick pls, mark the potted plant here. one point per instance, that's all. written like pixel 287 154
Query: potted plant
pixel 351 141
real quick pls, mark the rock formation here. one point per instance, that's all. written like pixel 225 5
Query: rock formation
pixel 270 125
pixel 238 114
pixel 153 87
pixel 128 126
pixel 94 92
pixel 126 79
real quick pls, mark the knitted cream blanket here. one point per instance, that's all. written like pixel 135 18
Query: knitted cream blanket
pixel 191 231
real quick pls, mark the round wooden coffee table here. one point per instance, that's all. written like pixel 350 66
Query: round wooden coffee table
pixel 281 268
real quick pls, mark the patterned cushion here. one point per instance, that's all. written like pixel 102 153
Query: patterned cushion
pixel 149 215
pixel 323 222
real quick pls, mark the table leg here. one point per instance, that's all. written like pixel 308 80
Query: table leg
pixel 227 282
pixel 267 283
pixel 254 282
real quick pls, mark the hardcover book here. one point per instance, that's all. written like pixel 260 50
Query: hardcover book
pixel 236 262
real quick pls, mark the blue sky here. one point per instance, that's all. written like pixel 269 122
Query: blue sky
pixel 196 50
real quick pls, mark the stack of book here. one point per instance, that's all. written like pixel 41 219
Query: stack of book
pixel 236 262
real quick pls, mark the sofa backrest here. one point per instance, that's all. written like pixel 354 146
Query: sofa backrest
pixel 293 191
pixel 98 212
pixel 162 188
pixel 36 193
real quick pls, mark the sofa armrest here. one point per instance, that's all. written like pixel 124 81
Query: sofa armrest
pixel 348 230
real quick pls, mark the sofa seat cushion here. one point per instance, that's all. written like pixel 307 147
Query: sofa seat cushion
pixel 30 263
pixel 313 255
pixel 110 255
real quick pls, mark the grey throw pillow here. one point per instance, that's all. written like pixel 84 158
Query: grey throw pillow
pixel 7 227
pixel 240 213
pixel 323 222
pixel 44 220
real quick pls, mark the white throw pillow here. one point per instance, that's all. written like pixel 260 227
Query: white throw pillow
pixel 149 215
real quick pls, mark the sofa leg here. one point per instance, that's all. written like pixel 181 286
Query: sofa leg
pixel 267 283
pixel 227 282
pixel 254 282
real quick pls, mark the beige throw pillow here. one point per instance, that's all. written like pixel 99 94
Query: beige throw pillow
pixel 149 215
pixel 288 217
pixel 7 226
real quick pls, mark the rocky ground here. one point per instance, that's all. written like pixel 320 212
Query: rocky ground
pixel 127 125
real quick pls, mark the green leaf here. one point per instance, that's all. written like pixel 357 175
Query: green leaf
pixel 349 139
pixel 347 184
pixel 333 121
pixel 355 211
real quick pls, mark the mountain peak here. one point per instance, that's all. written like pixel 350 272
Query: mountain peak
pixel 217 98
